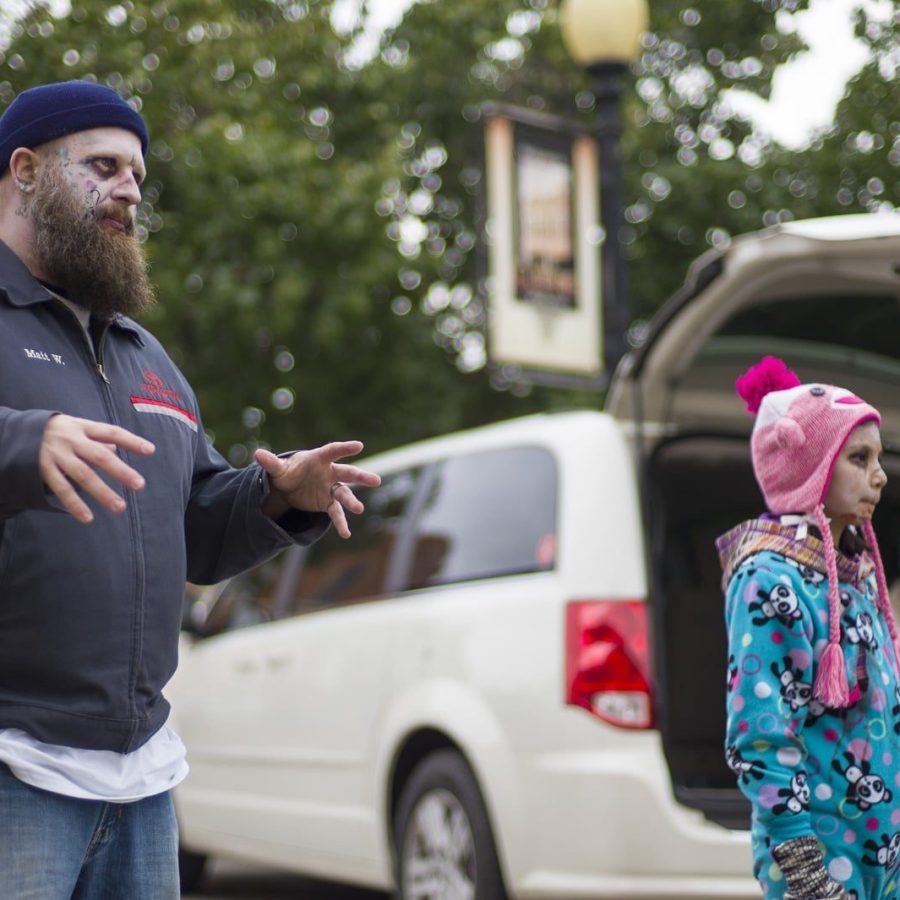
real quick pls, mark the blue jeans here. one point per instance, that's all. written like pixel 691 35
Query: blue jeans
pixel 62 848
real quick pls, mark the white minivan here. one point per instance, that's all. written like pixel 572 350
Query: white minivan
pixel 510 682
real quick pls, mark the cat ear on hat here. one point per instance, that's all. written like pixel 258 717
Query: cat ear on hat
pixel 769 374
pixel 785 434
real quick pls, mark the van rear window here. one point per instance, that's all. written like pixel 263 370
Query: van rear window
pixel 477 515
pixel 486 514
pixel 338 571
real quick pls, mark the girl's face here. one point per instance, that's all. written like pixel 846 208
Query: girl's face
pixel 857 478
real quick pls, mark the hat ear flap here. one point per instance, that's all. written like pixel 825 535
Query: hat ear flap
pixel 785 434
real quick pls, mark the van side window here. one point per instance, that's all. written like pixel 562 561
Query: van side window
pixel 487 514
pixel 338 571
pixel 246 599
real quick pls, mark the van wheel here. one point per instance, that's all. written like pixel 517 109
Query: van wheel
pixel 444 846
pixel 191 867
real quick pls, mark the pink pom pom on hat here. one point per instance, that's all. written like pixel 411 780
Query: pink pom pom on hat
pixel 799 432
pixel 769 374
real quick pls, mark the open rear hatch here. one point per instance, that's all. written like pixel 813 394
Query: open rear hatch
pixel 824 295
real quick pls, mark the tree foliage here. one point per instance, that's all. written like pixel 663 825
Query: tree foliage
pixel 312 223
pixel 275 276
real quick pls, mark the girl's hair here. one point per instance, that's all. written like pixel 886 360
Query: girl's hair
pixel 853 542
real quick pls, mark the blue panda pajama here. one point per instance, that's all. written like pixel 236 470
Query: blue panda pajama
pixel 807 769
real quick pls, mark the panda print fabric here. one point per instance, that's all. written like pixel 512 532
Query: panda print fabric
pixel 808 769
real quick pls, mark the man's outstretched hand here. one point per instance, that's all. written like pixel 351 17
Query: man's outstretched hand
pixel 314 481
pixel 74 450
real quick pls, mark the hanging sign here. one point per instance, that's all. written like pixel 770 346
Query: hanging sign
pixel 542 242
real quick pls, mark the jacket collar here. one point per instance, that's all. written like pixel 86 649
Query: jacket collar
pixel 763 534
pixel 23 289
pixel 19 285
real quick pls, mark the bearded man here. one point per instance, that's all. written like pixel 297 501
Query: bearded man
pixel 110 498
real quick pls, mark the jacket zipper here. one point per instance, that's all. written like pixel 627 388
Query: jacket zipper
pixel 96 357
pixel 100 368
pixel 133 523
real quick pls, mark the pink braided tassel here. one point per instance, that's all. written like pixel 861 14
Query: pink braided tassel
pixel 831 677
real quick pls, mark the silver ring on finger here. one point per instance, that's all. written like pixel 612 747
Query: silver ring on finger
pixel 334 488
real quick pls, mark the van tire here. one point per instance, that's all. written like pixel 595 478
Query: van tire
pixel 191 867
pixel 442 785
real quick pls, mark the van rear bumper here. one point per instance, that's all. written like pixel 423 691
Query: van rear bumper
pixel 562 884
pixel 605 823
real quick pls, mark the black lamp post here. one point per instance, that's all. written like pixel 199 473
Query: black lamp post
pixel 604 37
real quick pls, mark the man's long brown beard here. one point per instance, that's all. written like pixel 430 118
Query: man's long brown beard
pixel 104 271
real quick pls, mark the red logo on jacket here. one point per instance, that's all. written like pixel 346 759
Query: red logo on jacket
pixel 154 386
pixel 159 400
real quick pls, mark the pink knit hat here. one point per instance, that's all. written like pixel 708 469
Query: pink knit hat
pixel 799 432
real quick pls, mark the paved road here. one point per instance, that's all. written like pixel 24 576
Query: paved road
pixel 234 881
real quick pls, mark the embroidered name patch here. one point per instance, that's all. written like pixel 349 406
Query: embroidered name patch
pixel 161 408
pixel 44 356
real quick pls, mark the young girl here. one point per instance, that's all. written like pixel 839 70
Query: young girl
pixel 813 732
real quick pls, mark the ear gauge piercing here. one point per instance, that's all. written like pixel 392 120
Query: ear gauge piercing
pixel 25 186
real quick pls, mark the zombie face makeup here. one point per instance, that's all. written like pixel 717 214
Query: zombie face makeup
pixel 83 211
pixel 857 478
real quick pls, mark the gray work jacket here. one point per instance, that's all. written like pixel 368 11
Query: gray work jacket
pixel 90 614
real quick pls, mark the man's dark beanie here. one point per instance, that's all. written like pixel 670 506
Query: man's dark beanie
pixel 50 111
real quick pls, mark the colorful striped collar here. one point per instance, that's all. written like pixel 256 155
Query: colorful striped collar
pixel 763 534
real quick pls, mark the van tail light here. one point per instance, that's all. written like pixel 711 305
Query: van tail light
pixel 608 661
